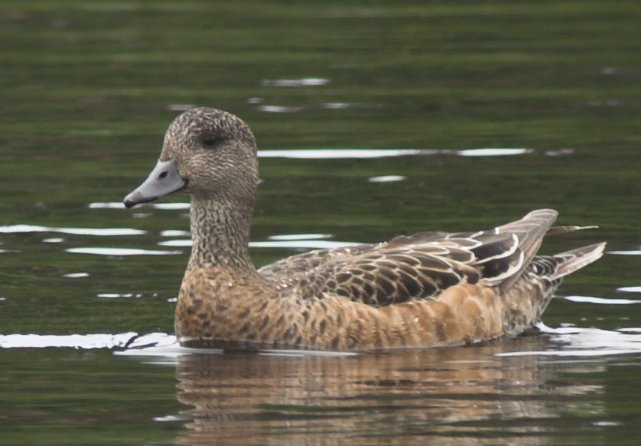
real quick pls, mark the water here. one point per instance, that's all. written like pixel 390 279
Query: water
pixel 372 121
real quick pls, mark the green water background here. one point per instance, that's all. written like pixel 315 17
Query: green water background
pixel 88 89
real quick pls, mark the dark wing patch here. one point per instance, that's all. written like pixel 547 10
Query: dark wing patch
pixel 498 256
pixel 529 231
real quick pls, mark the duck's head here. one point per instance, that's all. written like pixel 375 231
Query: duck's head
pixel 208 153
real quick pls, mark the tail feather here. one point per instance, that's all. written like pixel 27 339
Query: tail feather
pixel 564 229
pixel 575 259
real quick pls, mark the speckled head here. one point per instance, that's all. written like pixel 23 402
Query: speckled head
pixel 209 153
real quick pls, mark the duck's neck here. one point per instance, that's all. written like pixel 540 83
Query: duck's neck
pixel 220 234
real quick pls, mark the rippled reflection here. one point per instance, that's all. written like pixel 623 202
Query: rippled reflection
pixel 460 396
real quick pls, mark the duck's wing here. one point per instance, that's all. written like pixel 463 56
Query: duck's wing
pixel 310 260
pixel 307 261
pixel 418 266
pixel 528 233
pixel 395 273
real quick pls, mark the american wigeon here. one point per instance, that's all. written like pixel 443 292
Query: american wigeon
pixel 423 290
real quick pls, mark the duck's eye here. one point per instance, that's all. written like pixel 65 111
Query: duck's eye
pixel 209 140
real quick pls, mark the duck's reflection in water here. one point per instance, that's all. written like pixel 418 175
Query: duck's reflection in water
pixel 457 396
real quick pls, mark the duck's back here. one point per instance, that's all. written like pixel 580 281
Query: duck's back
pixel 415 267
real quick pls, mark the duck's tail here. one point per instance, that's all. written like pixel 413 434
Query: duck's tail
pixel 523 308
pixel 570 261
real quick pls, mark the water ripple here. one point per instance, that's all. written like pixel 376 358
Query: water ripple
pixel 491 151
pixel 53 240
pixel 87 341
pixel 76 275
pixel 12 229
pixel 571 341
pixel 119 295
pixel 304 82
pixel 386 153
pixel 101 251
pixel 575 341
pixel 174 233
pixel 343 153
pixel 279 108
pixel 160 345
pixel 386 179
pixel 600 300
pixel 634 252
pixel 299 236
pixel 630 289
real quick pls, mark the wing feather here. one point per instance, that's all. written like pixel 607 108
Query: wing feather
pixel 418 266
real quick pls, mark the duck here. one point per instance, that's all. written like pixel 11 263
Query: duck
pixel 429 289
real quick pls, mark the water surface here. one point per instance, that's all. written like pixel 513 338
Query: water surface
pixel 372 121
